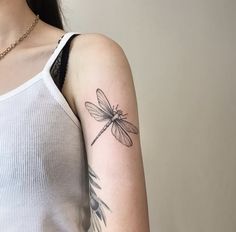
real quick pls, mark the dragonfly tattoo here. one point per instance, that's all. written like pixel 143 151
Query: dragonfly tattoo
pixel 114 116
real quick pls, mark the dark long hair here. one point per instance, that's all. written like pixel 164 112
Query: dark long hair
pixel 49 11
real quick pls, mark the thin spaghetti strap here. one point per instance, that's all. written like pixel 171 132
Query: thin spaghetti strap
pixel 61 43
pixel 64 61
pixel 59 67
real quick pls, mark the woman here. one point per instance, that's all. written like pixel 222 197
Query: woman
pixel 70 156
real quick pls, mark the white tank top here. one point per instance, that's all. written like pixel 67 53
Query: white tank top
pixel 43 165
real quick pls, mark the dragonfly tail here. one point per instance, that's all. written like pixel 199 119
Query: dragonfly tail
pixel 103 129
pixel 94 141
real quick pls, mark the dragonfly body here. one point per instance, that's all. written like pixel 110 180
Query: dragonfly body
pixel 120 126
pixel 116 115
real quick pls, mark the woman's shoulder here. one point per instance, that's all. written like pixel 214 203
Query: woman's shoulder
pixel 93 39
pixel 96 59
pixel 93 45
pixel 97 51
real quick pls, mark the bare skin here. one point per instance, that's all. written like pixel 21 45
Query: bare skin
pixel 32 53
pixel 96 62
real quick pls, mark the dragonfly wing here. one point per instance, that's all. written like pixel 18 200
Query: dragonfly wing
pixel 104 103
pixel 120 134
pixel 129 127
pixel 96 112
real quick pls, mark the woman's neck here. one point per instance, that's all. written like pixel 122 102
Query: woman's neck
pixel 15 19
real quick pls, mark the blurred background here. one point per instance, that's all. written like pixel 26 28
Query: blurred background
pixel 183 58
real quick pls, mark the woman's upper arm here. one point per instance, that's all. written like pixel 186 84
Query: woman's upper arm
pixel 105 101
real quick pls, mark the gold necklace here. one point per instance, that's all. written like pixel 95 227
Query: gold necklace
pixel 13 45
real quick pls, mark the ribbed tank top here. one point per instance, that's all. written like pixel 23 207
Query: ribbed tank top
pixel 43 164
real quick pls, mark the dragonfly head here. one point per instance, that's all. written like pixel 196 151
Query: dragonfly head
pixel 119 112
pixel 116 111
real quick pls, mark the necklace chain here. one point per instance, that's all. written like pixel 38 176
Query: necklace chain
pixel 13 45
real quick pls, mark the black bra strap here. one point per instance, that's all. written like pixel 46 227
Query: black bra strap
pixel 59 66
pixel 64 61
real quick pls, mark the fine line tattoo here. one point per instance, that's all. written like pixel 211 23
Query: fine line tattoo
pixel 96 204
pixel 120 126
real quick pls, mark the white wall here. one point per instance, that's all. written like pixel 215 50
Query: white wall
pixel 183 58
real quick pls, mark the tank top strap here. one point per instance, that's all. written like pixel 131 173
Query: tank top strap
pixel 61 43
